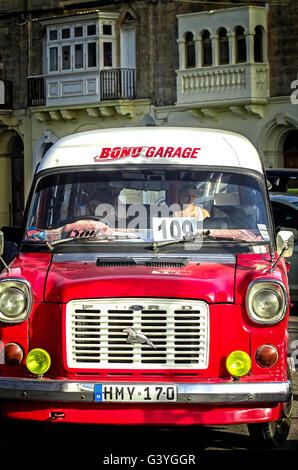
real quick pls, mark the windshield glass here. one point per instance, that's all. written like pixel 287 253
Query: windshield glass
pixel 145 205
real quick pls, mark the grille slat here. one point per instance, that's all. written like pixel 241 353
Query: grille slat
pixel 179 330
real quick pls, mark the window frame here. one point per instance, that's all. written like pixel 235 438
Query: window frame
pixel 223 40
pixel 204 51
pixel 190 43
pixel 238 38
pixel 73 41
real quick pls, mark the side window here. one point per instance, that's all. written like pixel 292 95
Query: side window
pixel 223 47
pixel 190 52
pixel 258 44
pixel 240 45
pixel 284 218
pixel 206 49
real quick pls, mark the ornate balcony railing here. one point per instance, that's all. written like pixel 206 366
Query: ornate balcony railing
pixel 36 91
pixel 116 84
pixel 223 84
pixel 112 84
pixel 6 93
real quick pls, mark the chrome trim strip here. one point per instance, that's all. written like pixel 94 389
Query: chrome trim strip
pixel 203 257
pixel 71 391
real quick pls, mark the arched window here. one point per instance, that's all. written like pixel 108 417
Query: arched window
pixel 206 49
pixel 190 51
pixel 240 43
pixel 290 151
pixel 258 44
pixel 223 47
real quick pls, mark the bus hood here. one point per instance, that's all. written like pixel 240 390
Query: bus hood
pixel 210 278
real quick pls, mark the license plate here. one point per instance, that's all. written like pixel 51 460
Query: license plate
pixel 135 393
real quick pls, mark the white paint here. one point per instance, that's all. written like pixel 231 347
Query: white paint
pixel 217 148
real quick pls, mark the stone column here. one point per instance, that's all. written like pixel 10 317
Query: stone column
pixel 214 42
pixel 249 48
pixel 181 51
pixel 198 43
pixel 232 49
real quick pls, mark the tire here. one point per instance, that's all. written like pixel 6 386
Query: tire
pixel 273 433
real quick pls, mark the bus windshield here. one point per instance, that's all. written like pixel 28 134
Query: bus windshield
pixel 145 205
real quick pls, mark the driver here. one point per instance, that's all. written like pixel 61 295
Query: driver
pixel 187 198
pixel 100 204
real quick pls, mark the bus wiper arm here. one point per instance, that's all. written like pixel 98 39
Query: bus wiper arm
pixel 82 236
pixel 186 238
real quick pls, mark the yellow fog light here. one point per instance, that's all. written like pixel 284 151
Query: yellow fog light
pixel 238 363
pixel 38 361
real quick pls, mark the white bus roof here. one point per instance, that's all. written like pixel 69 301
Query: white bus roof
pixel 148 145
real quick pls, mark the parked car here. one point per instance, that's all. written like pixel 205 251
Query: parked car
pixel 283 179
pixel 285 214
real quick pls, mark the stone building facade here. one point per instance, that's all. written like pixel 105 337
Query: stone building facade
pixel 72 65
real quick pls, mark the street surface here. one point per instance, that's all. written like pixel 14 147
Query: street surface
pixel 80 446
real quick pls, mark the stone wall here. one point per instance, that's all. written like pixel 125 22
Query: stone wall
pixel 283 47
pixel 21 39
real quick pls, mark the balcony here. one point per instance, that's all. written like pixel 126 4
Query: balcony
pixel 229 85
pixel 116 84
pixel 223 61
pixel 36 91
pixel 6 94
pixel 84 88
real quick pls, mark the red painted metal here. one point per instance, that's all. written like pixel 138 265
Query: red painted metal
pixel 223 286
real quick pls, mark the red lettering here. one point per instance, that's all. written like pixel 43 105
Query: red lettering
pixel 150 152
pixel 186 152
pixel 195 150
pixel 105 152
pixel 159 152
pixel 168 152
pixel 177 153
pixel 126 151
pixel 136 151
pixel 115 152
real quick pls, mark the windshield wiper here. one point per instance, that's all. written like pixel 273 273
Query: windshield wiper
pixel 91 236
pixel 184 239
pixel 51 245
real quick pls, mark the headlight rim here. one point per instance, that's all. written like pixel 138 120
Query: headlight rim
pixel 284 301
pixel 24 297
pixel 25 287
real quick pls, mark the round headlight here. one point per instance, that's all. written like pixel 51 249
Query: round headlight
pixel 15 300
pixel 266 303
pixel 38 361
pixel 238 363
pixel 12 302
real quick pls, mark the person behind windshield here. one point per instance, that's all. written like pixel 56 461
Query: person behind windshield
pixel 187 196
pixel 100 201
pixel 93 199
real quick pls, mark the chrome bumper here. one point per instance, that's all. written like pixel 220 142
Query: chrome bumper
pixel 71 391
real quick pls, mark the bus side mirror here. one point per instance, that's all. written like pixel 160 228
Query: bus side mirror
pixel 285 243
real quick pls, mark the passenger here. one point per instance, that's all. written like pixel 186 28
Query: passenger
pixel 187 198
pixel 99 195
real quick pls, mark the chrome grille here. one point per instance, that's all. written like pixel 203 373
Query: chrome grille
pixel 179 330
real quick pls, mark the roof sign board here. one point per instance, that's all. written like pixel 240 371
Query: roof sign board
pixel 148 145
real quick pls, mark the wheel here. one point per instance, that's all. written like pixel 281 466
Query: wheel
pixel 273 433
